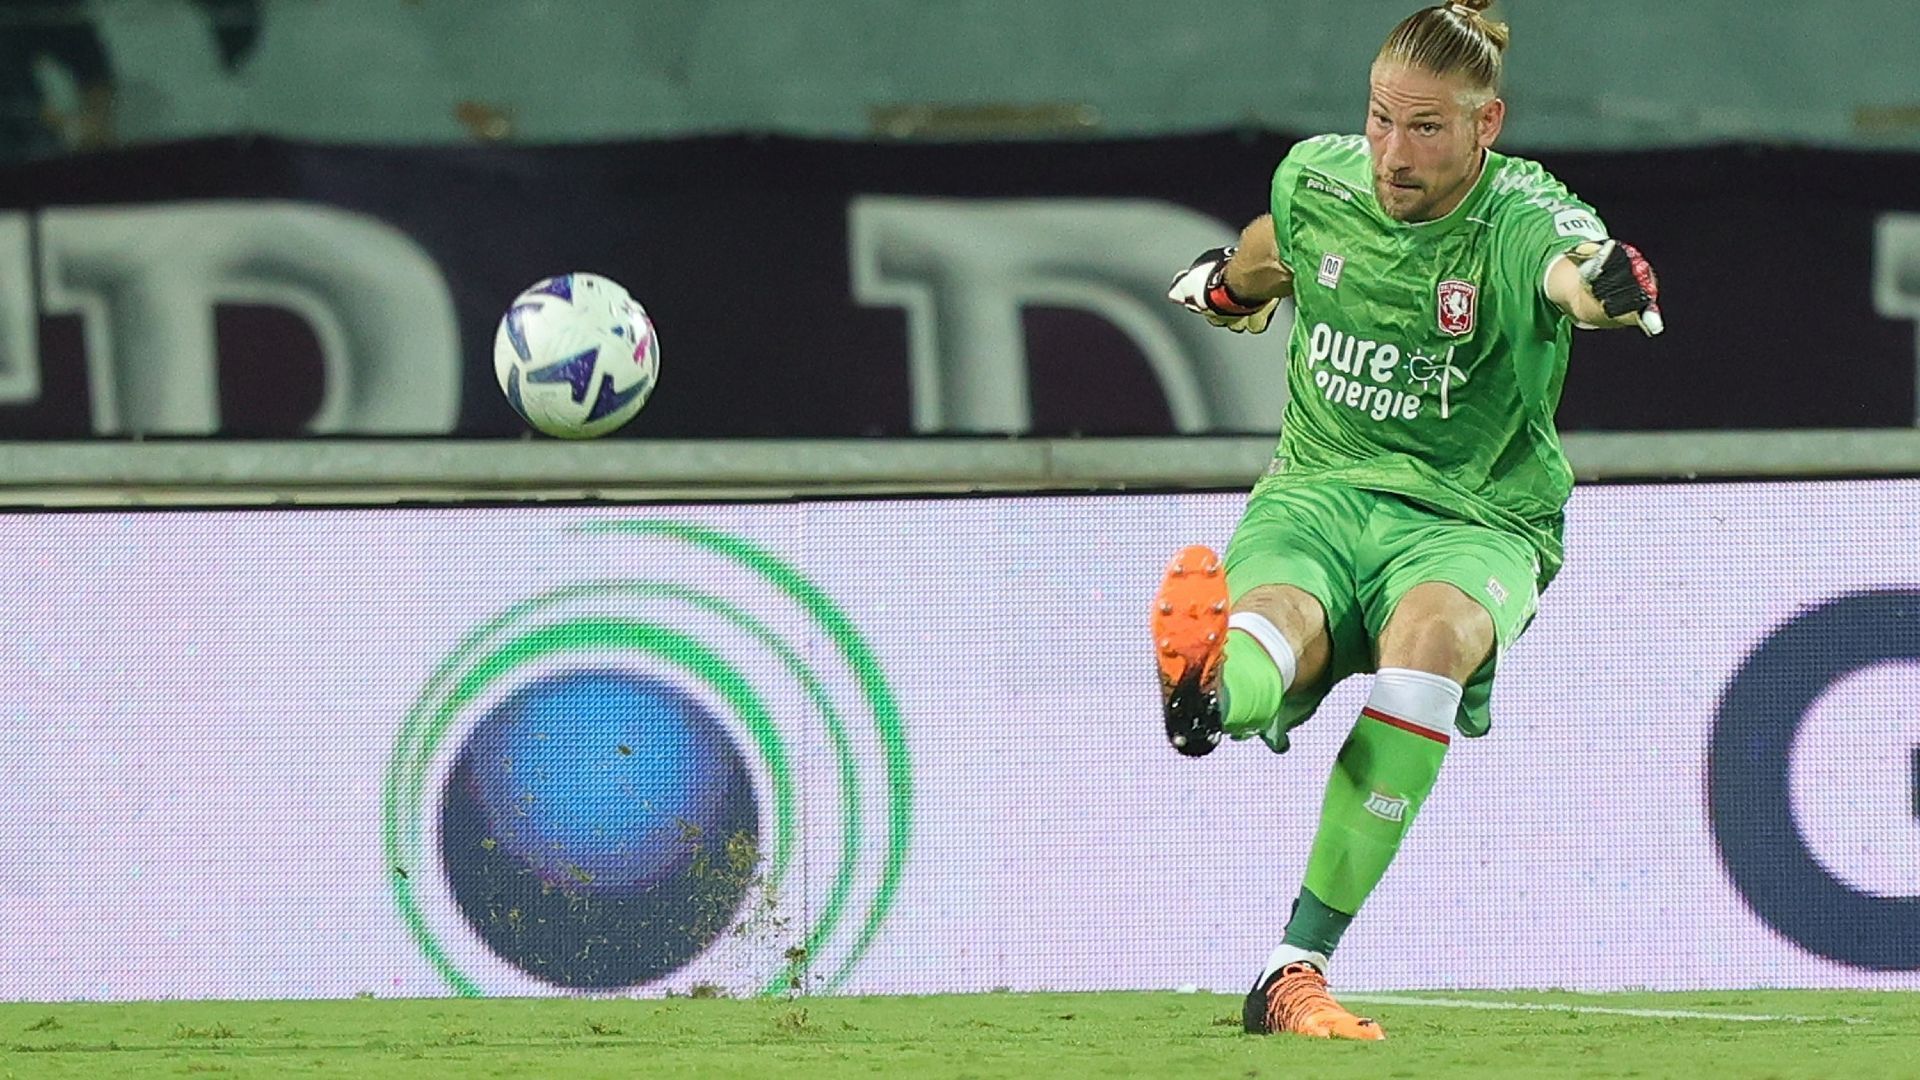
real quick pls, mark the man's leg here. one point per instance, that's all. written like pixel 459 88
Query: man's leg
pixel 1228 670
pixel 1276 640
pixel 1435 640
pixel 1230 666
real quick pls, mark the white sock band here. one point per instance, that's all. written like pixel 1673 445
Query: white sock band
pixel 1292 954
pixel 1261 629
pixel 1420 698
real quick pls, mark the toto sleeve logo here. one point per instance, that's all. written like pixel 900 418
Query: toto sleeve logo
pixel 1749 792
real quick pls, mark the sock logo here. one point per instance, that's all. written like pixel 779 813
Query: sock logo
pixel 1386 807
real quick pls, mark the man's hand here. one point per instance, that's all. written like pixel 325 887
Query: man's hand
pixel 1620 284
pixel 1202 289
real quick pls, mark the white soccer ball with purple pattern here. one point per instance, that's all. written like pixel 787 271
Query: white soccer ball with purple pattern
pixel 576 356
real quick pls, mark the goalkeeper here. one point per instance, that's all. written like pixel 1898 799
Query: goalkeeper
pixel 1413 510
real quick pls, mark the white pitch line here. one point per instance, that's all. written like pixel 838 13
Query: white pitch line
pixel 1608 1010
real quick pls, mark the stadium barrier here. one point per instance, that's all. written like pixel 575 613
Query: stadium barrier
pixel 907 745
pixel 336 471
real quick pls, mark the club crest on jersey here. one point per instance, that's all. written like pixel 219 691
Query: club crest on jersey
pixel 1456 302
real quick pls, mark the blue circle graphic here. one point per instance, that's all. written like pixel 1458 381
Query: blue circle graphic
pixel 599 828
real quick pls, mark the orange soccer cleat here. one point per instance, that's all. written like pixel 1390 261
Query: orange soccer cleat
pixel 1189 631
pixel 1295 1000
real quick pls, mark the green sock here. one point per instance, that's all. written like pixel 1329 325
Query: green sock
pixel 1379 781
pixel 1250 687
pixel 1314 926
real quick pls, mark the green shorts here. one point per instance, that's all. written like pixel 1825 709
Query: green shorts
pixel 1358 552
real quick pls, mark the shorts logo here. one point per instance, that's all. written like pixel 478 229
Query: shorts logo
pixel 1386 807
pixel 1456 303
pixel 1330 266
pixel 1497 591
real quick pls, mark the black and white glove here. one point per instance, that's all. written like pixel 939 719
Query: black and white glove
pixel 1202 289
pixel 1619 277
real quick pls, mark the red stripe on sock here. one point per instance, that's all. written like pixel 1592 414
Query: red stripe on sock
pixel 1405 725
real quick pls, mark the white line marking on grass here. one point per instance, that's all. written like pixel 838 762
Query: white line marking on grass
pixel 1608 1010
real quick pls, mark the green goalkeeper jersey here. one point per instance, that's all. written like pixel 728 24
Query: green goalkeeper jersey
pixel 1426 359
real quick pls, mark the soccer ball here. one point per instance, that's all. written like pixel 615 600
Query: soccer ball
pixel 576 356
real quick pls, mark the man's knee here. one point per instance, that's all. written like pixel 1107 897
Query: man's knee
pixel 1301 621
pixel 1438 629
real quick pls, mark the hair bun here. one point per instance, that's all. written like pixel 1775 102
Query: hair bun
pixel 1451 38
pixel 1474 12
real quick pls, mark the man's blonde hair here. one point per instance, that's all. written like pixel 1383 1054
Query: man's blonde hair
pixel 1452 39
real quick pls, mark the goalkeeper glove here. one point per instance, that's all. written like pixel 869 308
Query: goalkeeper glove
pixel 1619 277
pixel 1202 289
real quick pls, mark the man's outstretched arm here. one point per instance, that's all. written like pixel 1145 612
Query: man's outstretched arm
pixel 1237 287
pixel 1605 286
pixel 1255 271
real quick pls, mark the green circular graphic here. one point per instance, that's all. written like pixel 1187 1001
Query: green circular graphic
pixel 503 647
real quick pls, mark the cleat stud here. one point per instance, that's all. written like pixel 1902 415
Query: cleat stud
pixel 1219 606
pixel 1166 608
pixel 1178 569
pixel 1179 740
pixel 1212 637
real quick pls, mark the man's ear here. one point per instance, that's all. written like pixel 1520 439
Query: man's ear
pixel 1487 124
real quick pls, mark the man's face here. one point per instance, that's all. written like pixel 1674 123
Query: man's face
pixel 1425 143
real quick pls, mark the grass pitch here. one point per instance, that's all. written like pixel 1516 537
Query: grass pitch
pixel 1852 1035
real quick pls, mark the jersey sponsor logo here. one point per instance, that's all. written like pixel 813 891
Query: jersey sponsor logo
pixel 1386 807
pixel 1578 223
pixel 1357 373
pixel 1314 183
pixel 1436 372
pixel 1330 266
pixel 1456 302
pixel 1361 374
